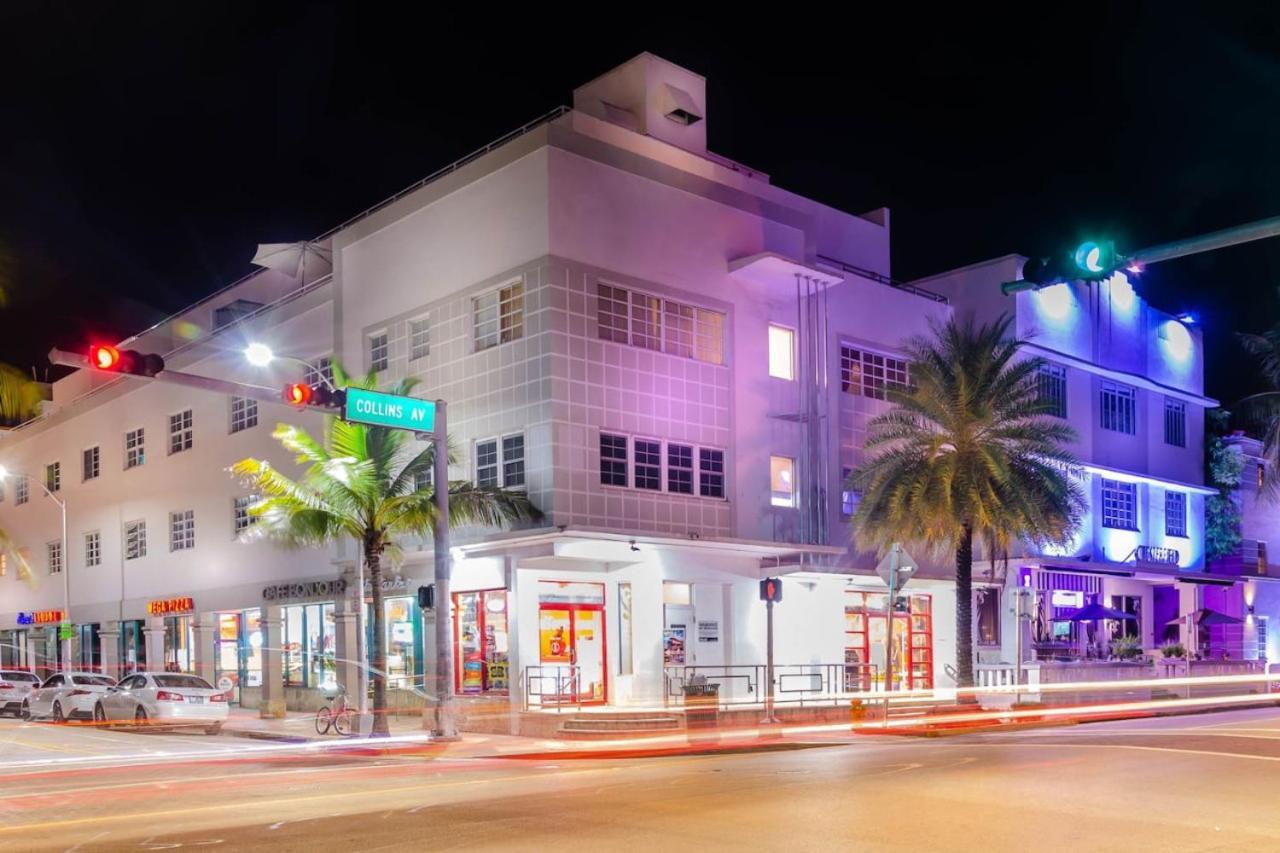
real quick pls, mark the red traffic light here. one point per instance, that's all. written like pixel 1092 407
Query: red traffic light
pixel 104 357
pixel 298 394
pixel 771 590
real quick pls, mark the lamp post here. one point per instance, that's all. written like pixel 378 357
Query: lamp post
pixel 64 568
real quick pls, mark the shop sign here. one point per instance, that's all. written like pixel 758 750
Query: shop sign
pixel 396 584
pixel 39 617
pixel 310 589
pixel 66 631
pixel 165 606
pixel 708 632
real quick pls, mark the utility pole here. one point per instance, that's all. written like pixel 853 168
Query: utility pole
pixel 446 724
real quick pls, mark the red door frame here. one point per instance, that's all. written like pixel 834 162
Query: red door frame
pixel 573 639
pixel 482 622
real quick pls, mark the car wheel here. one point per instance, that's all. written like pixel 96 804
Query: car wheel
pixel 99 716
pixel 140 716
pixel 26 711
pixel 57 714
pixel 214 729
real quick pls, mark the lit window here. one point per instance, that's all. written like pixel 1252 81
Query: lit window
pixel 1175 514
pixel 677 329
pixel 649 322
pixel 781 353
pixel 870 374
pixel 379 352
pixel 135 539
pixel 53 476
pixel 91 466
pixel 92 549
pixel 1175 422
pixel 55 557
pixel 419 338
pixel 182 530
pixel 849 498
pixel 242 519
pixel 613 459
pixel 782 480
pixel 244 413
pixel 648 458
pixel 987 606
pixel 499 316
pixel 134 448
pixel 1119 408
pixel 180 432
pixel 1051 388
pixel 680 469
pixel 710 472
pixel 1119 505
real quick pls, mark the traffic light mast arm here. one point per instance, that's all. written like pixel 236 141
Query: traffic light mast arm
pixel 1247 233
pixel 190 380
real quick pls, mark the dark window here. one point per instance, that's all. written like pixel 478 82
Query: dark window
pixel 1119 408
pixel 987 603
pixel 680 469
pixel 487 463
pixel 648 456
pixel 1175 422
pixel 613 459
pixel 710 473
pixel 1175 514
pixel 1052 389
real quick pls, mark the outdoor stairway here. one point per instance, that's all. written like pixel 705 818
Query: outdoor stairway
pixel 620 725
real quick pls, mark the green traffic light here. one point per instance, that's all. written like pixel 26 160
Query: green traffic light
pixel 1094 259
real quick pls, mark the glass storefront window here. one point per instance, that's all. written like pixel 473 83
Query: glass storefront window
pixel 867 635
pixel 90 647
pixel 133 651
pixel 481 641
pixel 307 638
pixel 292 638
pixel 13 648
pixel 179 644
pixel 401 648
pixel 253 648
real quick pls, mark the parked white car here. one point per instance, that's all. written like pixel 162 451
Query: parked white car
pixel 163 698
pixel 66 696
pixel 15 685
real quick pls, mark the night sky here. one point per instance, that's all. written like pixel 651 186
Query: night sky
pixel 146 149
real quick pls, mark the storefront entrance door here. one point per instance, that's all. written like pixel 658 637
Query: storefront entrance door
pixel 877 635
pixel 573 634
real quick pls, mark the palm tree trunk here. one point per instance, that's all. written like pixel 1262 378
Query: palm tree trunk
pixel 964 608
pixel 378 648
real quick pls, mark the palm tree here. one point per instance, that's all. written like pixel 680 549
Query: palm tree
pixel 20 397
pixel 1265 407
pixel 967 452
pixel 368 483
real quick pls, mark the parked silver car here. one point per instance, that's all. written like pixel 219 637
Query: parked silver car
pixel 163 698
pixel 15 685
pixel 66 696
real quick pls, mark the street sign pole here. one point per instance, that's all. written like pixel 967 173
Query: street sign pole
pixel 445 723
pixel 768 695
pixel 895 569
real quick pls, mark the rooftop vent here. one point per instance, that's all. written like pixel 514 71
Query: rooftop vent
pixel 678 105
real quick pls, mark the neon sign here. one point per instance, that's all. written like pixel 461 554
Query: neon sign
pixel 161 606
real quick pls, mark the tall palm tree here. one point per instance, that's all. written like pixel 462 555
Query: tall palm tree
pixel 20 396
pixel 367 483
pixel 967 452
pixel 1264 408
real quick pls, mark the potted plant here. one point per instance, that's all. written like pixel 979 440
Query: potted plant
pixel 1173 650
pixel 1126 648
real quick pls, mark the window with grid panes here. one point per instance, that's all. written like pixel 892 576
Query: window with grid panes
pixel 318 372
pixel 646 321
pixel 419 338
pixel 710 472
pixel 1119 505
pixel 708 336
pixel 134 448
pixel 422 479
pixel 680 469
pixel 182 530
pixel 91 463
pixel 244 413
pixel 92 549
pixel 21 490
pixel 612 314
pixel 379 352
pixel 648 460
pixel 1175 422
pixel 1051 388
pixel 499 316
pixel 869 374
pixel 55 557
pixel 135 539
pixel 677 329
pixel 53 476
pixel 181 433
pixel 1175 513
pixel 241 519
pixel 1118 405
pixel 487 462
pixel 613 459
pixel 513 461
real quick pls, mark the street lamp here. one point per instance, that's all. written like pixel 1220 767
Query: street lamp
pixel 260 355
pixel 65 568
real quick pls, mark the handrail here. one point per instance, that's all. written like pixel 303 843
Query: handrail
pixel 566 681
pixel 880 278
pixel 793 683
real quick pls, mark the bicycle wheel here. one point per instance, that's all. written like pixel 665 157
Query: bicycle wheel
pixel 343 723
pixel 324 719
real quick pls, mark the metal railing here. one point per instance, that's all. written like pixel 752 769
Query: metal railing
pixel 556 686
pixel 880 278
pixel 794 684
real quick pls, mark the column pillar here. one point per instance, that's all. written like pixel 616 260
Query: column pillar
pixel 35 653
pixel 515 660
pixel 153 638
pixel 109 639
pixel 204 628
pixel 350 670
pixel 273 705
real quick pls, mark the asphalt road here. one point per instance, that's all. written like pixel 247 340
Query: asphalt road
pixel 1200 783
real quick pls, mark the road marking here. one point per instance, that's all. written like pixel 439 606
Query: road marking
pixel 1173 750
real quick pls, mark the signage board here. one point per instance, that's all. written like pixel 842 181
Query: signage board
pixel 709 632
pixel 304 590
pixel 896 567
pixel 389 410
pixel 40 617
pixel 66 631
pixel 165 606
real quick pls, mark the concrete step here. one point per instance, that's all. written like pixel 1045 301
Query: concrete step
pixel 609 724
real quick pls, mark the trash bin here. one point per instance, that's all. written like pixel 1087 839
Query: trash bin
pixel 702 711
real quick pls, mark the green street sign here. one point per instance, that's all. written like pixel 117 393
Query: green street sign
pixel 66 631
pixel 389 410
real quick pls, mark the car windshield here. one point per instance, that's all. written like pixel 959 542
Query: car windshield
pixel 19 676
pixel 182 681
pixel 92 679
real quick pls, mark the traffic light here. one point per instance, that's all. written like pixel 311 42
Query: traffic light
pixel 301 394
pixel 111 360
pixel 1095 260
pixel 771 590
pixel 427 597
pixel 1092 260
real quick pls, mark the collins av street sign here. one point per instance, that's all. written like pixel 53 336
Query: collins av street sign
pixel 389 410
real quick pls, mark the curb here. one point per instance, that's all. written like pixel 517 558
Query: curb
pixel 666 751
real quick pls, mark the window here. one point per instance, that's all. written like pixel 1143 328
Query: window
pixel 613 459
pixel 419 338
pixel 987 605
pixel 513 461
pixel 869 374
pixel 135 539
pixel 499 316
pixel 648 457
pixel 849 498
pixel 134 449
pixel 781 352
pixel 782 481
pixel 244 413
pixel 1051 388
pixel 710 472
pixel 55 557
pixel 92 549
pixel 1175 422
pixel 182 530
pixel 180 432
pixel 1119 505
pixel 53 476
pixel 423 478
pixel 4 565
pixel 319 372
pixel 680 469
pixel 1175 514
pixel 379 352
pixel 1119 408
pixel 90 463
pixel 650 322
pixel 487 462
pixel 21 490
pixel 234 311
pixel 242 520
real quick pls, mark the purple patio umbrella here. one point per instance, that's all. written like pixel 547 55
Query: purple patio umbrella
pixel 1097 612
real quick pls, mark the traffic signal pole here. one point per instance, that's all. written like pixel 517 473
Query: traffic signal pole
pixel 446 725
pixel 1247 233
